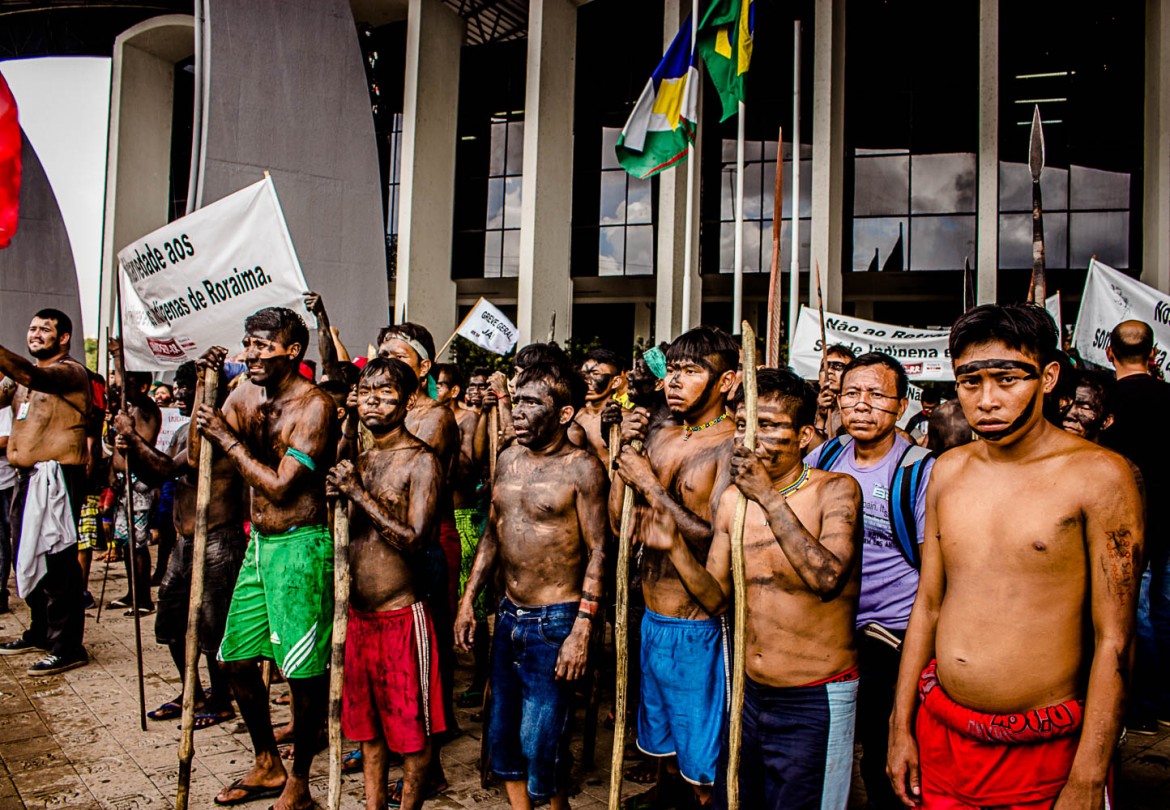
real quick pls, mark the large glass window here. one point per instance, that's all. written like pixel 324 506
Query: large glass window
pixel 759 185
pixel 393 189
pixel 626 218
pixel 501 252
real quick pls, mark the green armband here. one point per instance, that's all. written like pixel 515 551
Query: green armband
pixel 301 457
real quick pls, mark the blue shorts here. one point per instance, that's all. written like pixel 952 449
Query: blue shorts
pixel 797 750
pixel 685 693
pixel 528 732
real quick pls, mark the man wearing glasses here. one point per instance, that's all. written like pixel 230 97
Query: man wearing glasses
pixel 872 399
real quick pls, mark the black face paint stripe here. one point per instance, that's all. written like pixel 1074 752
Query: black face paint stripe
pixel 996 364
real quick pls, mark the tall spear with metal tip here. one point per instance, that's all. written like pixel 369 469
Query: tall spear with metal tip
pixel 772 347
pixel 1039 290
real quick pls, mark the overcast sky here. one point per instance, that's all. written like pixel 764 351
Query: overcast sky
pixel 63 104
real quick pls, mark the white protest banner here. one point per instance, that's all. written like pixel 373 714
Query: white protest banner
pixel 172 422
pixel 488 328
pixel 1052 304
pixel 189 285
pixel 922 352
pixel 1112 297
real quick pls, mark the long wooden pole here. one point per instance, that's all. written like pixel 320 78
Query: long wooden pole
pixel 493 440
pixel 794 259
pixel 821 312
pixel 195 603
pixel 130 544
pixel 340 622
pixel 739 579
pixel 109 540
pixel 772 348
pixel 615 447
pixel 1038 292
pixel 621 633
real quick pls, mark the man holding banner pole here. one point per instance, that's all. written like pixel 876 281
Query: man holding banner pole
pixel 280 432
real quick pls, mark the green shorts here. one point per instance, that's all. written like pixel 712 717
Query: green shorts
pixel 282 606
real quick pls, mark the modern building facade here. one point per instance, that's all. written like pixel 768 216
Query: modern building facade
pixel 429 152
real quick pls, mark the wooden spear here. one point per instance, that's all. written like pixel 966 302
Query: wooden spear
pixel 552 327
pixel 615 447
pixel 739 580
pixel 109 541
pixel 621 627
pixel 821 311
pixel 1039 290
pixel 337 664
pixel 772 350
pixel 195 603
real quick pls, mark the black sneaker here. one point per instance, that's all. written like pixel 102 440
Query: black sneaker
pixel 20 646
pixel 54 664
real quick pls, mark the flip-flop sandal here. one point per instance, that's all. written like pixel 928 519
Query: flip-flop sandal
pixel 394 795
pixel 251 793
pixel 209 719
pixel 642 773
pixel 168 711
pixel 353 761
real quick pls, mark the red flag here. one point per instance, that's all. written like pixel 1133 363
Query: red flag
pixel 10 145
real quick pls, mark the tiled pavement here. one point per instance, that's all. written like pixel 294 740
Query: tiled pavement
pixel 73 740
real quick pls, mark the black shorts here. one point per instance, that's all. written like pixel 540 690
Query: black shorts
pixel 225 553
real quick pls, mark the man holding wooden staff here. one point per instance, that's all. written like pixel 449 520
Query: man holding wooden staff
pixel 547 532
pixel 224 552
pixel 47 447
pixel 392 699
pixel 801 551
pixel 679 478
pixel 1013 675
pixel 280 432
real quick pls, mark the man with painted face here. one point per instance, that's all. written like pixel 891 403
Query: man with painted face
pixel 1087 415
pixel 872 400
pixel 547 533
pixel 801 547
pixel 679 478
pixel 392 699
pixel 829 418
pixel 603 373
pixel 280 432
pixel 1015 663
pixel 146 418
pixel 223 556
pixel 50 398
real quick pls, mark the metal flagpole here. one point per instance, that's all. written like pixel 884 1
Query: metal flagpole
pixel 737 280
pixel 689 231
pixel 794 266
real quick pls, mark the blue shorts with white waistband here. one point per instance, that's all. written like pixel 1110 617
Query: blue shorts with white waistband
pixel 685 692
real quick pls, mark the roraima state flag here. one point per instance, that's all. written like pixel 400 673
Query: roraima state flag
pixel 488 328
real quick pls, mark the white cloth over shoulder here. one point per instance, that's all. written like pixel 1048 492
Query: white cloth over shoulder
pixel 48 525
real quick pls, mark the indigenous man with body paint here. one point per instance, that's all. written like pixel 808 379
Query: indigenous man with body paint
pixel 802 543
pixel 872 399
pixel 223 555
pixel 438 560
pixel 829 418
pixel 280 432
pixel 547 532
pixel 1014 670
pixel 679 479
pixel 603 371
pixel 392 700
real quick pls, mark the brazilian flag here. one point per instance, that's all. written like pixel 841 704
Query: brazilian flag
pixel 725 46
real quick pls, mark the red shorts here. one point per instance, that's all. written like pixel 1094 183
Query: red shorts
pixel 392 687
pixel 452 547
pixel 973 759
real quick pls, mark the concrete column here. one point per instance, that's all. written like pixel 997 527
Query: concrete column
pixel 546 211
pixel 987 223
pixel 828 169
pixel 424 292
pixel 672 220
pixel 1156 175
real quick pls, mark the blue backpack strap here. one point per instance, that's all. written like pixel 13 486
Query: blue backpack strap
pixel 830 452
pixel 904 492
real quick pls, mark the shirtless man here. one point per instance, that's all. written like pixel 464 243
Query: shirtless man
pixel 1088 414
pixel 828 422
pixel 679 478
pixel 280 432
pixel 146 417
pixel 50 398
pixel 603 371
pixel 547 531
pixel 392 699
pixel 802 553
pixel 1019 641
pixel 224 551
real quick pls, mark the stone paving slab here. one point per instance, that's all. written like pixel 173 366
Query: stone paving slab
pixel 74 741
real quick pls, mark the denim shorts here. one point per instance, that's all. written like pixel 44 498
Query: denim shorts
pixel 528 732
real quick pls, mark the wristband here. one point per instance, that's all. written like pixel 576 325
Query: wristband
pixel 230 447
pixel 589 617
pixel 588 609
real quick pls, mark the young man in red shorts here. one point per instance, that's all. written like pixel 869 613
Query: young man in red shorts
pixel 1017 652
pixel 392 698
